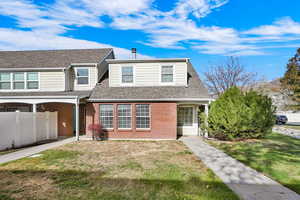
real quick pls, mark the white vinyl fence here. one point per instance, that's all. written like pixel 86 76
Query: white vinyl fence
pixel 19 129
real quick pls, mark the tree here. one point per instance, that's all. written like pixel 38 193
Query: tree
pixel 237 115
pixel 291 79
pixel 227 75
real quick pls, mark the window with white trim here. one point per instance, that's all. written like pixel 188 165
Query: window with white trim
pixel 185 116
pixel 167 74
pixel 106 115
pixel 127 74
pixel 5 81
pixel 32 80
pixel 124 116
pixel 82 76
pixel 18 81
pixel 142 116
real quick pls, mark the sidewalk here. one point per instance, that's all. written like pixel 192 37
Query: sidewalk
pixel 244 181
pixel 33 150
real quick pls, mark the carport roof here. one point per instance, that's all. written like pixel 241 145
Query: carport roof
pixel 46 94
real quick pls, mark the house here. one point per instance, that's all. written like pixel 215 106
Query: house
pixel 152 98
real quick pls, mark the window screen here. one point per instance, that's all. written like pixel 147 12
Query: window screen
pixel 167 74
pixel 32 80
pixel 82 76
pixel 127 74
pixel 5 81
pixel 18 80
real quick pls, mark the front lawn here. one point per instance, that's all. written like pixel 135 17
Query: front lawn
pixel 112 170
pixel 277 156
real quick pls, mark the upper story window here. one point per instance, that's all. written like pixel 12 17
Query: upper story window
pixel 5 81
pixel 127 74
pixel 82 76
pixel 167 74
pixel 32 80
pixel 19 80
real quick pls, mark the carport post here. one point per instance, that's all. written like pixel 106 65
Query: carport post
pixel 206 122
pixel 77 119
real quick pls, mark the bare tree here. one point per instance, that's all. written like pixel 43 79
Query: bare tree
pixel 231 73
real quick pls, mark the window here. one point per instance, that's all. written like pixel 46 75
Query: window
pixel 142 116
pixel 32 80
pixel 127 74
pixel 185 116
pixel 124 116
pixel 107 115
pixel 82 76
pixel 167 74
pixel 18 81
pixel 5 81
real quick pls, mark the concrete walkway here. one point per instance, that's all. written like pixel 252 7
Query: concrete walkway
pixel 33 150
pixel 244 181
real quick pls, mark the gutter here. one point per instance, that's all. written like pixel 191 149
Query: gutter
pixel 41 97
pixel 114 61
pixel 33 69
pixel 148 100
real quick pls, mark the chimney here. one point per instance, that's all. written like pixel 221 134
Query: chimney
pixel 133 51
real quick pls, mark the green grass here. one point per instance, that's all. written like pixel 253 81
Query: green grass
pixel 113 170
pixel 277 156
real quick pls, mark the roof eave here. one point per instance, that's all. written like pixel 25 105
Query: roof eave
pixel 114 61
pixel 150 100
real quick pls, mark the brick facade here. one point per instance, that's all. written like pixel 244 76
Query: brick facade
pixel 163 122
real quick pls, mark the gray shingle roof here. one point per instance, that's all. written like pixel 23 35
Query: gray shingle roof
pixel 194 90
pixel 62 93
pixel 51 58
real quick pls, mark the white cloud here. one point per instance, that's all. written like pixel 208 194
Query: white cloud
pixel 198 8
pixel 280 27
pixel 10 40
pixel 47 24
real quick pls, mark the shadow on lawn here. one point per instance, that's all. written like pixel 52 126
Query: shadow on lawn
pixel 73 184
pixel 273 156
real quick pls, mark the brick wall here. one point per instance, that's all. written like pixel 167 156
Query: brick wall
pixel 163 119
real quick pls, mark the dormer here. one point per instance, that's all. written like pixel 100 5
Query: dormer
pixel 150 72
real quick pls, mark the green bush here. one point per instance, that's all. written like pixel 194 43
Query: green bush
pixel 236 115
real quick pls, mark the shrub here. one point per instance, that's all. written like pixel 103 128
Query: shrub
pixel 236 115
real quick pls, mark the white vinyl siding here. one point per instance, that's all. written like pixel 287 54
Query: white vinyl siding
pixel 52 81
pixel 147 74
pixel 92 78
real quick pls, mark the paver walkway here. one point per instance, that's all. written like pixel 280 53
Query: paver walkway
pixel 33 150
pixel 244 181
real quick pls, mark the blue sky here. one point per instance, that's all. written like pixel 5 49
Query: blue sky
pixel 263 33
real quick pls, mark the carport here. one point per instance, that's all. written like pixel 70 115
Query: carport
pixel 63 102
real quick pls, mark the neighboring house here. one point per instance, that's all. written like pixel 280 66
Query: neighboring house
pixel 154 98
